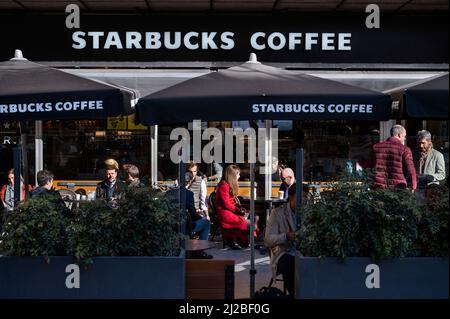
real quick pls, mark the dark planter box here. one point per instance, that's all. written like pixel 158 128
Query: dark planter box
pixel 421 277
pixel 107 277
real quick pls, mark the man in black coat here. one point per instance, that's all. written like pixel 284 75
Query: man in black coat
pixel 111 188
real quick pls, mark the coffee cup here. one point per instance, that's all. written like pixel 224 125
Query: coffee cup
pixel 78 196
pixel 280 194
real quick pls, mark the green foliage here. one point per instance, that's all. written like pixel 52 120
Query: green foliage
pixel 36 228
pixel 354 221
pixel 92 232
pixel 433 228
pixel 144 223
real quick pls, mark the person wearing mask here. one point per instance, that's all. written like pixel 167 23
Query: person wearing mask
pixel 229 211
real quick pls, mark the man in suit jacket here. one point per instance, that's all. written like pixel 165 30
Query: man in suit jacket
pixel 280 239
pixel 430 164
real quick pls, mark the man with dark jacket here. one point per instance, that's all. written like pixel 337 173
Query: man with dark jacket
pixel 394 162
pixel 110 188
pixel 44 189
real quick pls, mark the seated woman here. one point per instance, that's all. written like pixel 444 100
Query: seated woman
pixel 229 212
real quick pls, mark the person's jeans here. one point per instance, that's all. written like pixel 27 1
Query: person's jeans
pixel 202 226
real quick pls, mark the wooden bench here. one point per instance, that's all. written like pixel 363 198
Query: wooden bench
pixel 209 279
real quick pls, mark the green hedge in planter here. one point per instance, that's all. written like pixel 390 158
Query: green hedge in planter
pixel 144 223
pixel 353 220
pixel 36 228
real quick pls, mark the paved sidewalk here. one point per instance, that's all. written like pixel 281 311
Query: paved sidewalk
pixel 242 269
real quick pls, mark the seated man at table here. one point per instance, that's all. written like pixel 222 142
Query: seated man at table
pixel 199 224
pixel 44 189
pixel 111 188
pixel 280 239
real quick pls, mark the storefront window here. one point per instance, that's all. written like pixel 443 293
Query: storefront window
pixel 76 150
pixel 330 147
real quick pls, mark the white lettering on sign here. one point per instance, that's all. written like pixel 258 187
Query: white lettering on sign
pixel 192 40
pixel 312 108
pixel 373 279
pixel 49 107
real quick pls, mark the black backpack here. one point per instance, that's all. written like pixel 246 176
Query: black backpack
pixel 270 292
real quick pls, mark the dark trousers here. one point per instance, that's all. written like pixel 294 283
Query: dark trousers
pixel 286 267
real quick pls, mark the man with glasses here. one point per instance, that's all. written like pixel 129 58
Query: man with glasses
pixel 288 179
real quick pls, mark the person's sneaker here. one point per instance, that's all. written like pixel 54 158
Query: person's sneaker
pixel 233 245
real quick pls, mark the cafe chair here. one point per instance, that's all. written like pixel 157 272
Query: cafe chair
pixel 68 196
pixel 81 191
pixel 215 225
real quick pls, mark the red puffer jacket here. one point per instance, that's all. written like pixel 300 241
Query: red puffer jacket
pixel 394 165
pixel 226 207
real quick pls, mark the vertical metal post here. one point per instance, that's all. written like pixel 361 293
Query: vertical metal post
pixel 182 198
pixel 268 161
pixel 299 158
pixel 23 142
pixel 39 149
pixel 17 173
pixel 153 155
pixel 252 230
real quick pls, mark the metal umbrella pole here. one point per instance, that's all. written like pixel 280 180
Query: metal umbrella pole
pixel 23 142
pixel 299 159
pixel 17 173
pixel 252 230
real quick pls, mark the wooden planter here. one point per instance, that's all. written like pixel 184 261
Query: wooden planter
pixel 107 277
pixel 421 277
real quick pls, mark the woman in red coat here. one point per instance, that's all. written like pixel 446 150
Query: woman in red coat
pixel 229 212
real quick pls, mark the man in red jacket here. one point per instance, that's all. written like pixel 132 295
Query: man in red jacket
pixel 394 162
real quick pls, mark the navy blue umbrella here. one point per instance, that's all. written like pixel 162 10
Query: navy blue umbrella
pixel 425 99
pixel 254 91
pixel 31 91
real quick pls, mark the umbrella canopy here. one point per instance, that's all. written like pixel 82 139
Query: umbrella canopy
pixel 254 91
pixel 31 91
pixel 425 99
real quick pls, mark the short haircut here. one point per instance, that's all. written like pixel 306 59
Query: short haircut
pixel 424 134
pixel 397 130
pixel 191 165
pixel 111 163
pixel 292 190
pixel 188 176
pixel 132 170
pixel 43 177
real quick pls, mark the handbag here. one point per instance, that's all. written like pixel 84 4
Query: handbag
pixel 269 292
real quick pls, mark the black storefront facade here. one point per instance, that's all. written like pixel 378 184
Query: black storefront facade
pixel 152 52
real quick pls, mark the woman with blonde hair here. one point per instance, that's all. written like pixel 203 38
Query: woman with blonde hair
pixel 229 211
